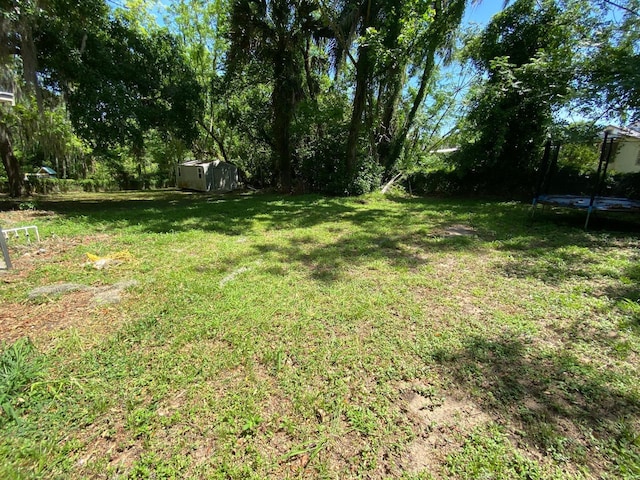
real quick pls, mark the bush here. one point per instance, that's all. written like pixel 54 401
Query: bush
pixel 623 185
pixel 436 182
pixel 571 181
pixel 44 185
pixel 566 180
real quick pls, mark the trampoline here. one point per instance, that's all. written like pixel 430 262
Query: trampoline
pixel 589 203
pixel 604 204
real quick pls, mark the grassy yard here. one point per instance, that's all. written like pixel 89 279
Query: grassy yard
pixel 305 337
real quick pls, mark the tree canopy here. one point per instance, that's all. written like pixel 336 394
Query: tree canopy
pixel 336 96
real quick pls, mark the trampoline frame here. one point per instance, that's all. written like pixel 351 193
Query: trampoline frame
pixel 592 203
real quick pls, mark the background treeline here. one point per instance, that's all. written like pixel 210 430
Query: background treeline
pixel 339 97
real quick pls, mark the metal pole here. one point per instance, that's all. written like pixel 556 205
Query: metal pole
pixel 606 165
pixel 544 170
pixel 5 250
pixel 603 156
pixel 542 176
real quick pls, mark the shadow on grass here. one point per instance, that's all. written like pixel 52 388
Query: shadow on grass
pixel 404 233
pixel 172 211
pixel 554 253
pixel 371 232
pixel 328 262
pixel 179 211
pixel 554 401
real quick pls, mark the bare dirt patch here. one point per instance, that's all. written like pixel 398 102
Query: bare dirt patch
pixel 109 440
pixel 440 424
pixel 82 308
pixel 27 257
pixel 14 218
pixel 75 309
pixel 455 230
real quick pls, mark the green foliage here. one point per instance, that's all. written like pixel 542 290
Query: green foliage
pixel 121 77
pixel 527 52
pixel 275 37
pixel 489 455
pixel 20 367
pixel 623 185
pixel 441 181
pixel 398 43
pixel 580 145
pixel 308 95
pixel 151 87
pixel 610 77
pixel 47 137
pixel 44 185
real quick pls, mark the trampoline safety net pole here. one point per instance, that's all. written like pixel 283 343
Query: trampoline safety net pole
pixel 542 176
pixel 603 154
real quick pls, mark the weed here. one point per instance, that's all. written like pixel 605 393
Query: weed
pixel 20 367
pixel 31 206
pixel 488 454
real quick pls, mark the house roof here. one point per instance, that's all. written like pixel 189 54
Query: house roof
pixel 48 170
pixel 632 131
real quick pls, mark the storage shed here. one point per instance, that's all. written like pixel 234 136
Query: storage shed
pixel 42 172
pixel 215 176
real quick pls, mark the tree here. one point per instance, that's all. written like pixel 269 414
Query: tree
pixel 16 39
pixel 610 78
pixel 397 45
pixel 202 28
pixel 529 54
pixel 118 74
pixel 122 78
pixel 274 33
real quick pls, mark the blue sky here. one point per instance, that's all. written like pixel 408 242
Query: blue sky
pixel 482 12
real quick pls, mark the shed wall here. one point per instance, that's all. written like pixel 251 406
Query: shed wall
pixel 225 177
pixel 192 177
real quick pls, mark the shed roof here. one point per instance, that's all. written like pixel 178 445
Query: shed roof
pixel 198 163
pixel 48 170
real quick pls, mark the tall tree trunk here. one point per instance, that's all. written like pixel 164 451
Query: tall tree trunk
pixel 312 84
pixel 10 162
pixel 388 123
pixel 447 18
pixel 363 74
pixel 392 82
pixel 359 102
pixel 29 56
pixel 396 145
pixel 283 104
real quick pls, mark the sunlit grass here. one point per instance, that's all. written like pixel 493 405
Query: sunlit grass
pixel 310 337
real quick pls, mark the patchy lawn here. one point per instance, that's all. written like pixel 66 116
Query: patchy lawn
pixel 305 337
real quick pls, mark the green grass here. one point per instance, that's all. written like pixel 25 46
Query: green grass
pixel 285 337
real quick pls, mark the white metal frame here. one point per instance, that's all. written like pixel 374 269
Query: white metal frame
pixel 15 233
